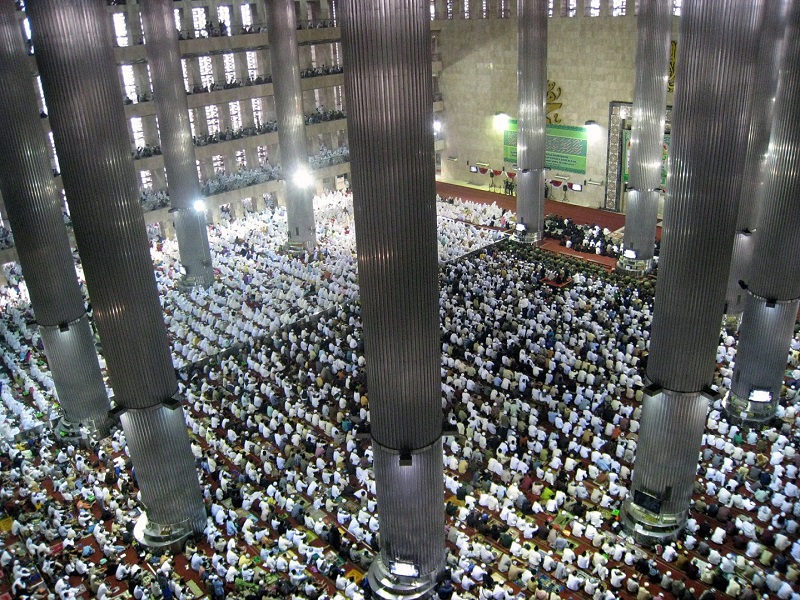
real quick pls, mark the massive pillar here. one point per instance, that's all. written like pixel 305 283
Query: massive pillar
pixel 74 52
pixel 773 293
pixel 532 89
pixel 769 53
pixel 390 125
pixel 298 181
pixel 34 212
pixel 654 26
pixel 164 58
pixel 705 177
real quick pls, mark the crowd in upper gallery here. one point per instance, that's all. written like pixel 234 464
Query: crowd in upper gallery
pixel 542 363
pixel 245 177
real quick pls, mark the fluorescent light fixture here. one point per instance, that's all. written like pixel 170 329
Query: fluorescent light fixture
pixel 199 205
pixel 501 121
pixel 630 254
pixel 437 126
pixel 403 569
pixel 562 177
pixel 593 182
pixel 760 396
pixel 302 178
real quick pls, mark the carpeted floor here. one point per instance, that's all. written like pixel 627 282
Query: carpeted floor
pixel 580 214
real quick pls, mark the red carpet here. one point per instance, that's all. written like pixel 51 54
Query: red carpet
pixel 603 261
pixel 579 214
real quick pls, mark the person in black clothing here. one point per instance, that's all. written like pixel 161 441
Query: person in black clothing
pixel 445 590
pixel 335 539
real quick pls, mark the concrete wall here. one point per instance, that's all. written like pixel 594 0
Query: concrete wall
pixel 591 60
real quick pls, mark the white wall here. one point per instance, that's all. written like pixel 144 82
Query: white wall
pixel 590 58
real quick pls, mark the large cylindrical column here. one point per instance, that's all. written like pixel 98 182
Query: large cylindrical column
pixel 774 282
pixel 390 126
pixel 654 26
pixel 73 41
pixel 164 58
pixel 703 190
pixel 532 123
pixel 298 179
pixel 769 53
pixel 34 212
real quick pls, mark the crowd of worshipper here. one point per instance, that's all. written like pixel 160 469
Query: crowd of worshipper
pixel 321 71
pixel 542 360
pixel 135 99
pixel 326 157
pixel 320 115
pixel 259 289
pixel 204 139
pixel 147 151
pixel 591 239
pixel 242 177
pixel 151 199
pixel 6 237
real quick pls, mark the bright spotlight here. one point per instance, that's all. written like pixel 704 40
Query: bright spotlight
pixel 501 121
pixel 302 178
pixel 437 126
pixel 593 129
pixel 199 205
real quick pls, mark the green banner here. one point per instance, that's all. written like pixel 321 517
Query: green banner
pixel 626 157
pixel 565 147
pixel 510 143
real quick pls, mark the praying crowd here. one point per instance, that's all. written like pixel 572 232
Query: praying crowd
pixel 542 363
pixel 591 239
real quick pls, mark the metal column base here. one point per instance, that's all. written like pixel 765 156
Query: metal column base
pixel 299 248
pixel 166 537
pixel 528 238
pixel 187 282
pixel 632 266
pixel 740 410
pixel 650 528
pixel 67 432
pixel 387 586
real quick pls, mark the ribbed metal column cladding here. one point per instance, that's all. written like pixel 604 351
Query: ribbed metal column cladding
pixel 777 243
pixel 705 176
pixel 73 40
pixel 654 27
pixel 282 31
pixel 741 259
pixel 390 126
pixel 532 92
pixel 72 359
pixel 164 58
pixel 34 212
pixel 165 467
pixel 766 330
pixel 404 495
pixel 79 77
pixel 764 339
pixel 388 85
pixel 669 448
pixel 769 59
